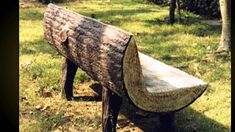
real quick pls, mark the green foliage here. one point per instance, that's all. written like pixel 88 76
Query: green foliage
pixel 53 1
pixel 208 8
pixel 82 76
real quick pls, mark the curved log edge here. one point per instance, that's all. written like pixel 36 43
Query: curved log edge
pixel 110 56
pixel 156 87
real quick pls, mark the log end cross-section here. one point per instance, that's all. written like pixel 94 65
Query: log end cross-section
pixel 157 87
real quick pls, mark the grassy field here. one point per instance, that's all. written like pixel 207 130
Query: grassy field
pixel 188 46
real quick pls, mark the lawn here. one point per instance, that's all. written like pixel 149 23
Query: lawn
pixel 188 46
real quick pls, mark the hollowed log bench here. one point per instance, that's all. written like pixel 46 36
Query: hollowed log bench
pixel 110 56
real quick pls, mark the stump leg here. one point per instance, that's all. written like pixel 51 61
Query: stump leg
pixel 68 73
pixel 167 122
pixel 111 104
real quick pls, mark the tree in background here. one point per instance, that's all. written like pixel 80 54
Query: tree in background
pixel 45 1
pixel 178 10
pixel 225 40
pixel 172 11
pixel 173 4
pixel 53 1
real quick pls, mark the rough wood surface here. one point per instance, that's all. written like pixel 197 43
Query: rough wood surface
pixel 110 55
pixel 157 87
pixel 68 73
pixel 96 48
pixel 111 104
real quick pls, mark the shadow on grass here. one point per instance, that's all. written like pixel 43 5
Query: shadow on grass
pixel 126 12
pixel 206 30
pixel 186 120
pixel 157 21
pixel 168 53
pixel 53 120
pixel 31 15
pixel 109 17
pixel 179 58
pixel 97 88
pixel 35 47
pixel 164 20
pixel 201 29
pixel 87 98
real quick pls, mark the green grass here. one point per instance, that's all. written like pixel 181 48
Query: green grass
pixel 188 45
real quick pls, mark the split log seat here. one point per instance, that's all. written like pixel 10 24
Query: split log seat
pixel 170 88
pixel 110 56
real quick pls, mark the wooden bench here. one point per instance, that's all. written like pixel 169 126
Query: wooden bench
pixel 110 56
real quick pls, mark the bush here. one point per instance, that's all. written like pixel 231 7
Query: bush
pixel 208 8
pixel 53 1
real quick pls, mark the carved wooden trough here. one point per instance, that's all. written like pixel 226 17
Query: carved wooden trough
pixel 110 56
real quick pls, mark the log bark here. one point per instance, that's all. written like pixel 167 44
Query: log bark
pixel 68 73
pixel 110 56
pixel 97 48
pixel 111 104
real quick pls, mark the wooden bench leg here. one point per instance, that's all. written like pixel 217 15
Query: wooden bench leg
pixel 167 122
pixel 111 104
pixel 68 73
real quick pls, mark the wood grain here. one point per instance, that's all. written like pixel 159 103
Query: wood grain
pixel 110 56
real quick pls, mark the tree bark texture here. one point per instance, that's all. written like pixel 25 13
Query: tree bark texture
pixel 68 73
pixel 225 39
pixel 96 48
pixel 111 104
pixel 110 56
pixel 178 10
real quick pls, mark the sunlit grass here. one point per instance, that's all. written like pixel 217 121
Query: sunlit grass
pixel 188 46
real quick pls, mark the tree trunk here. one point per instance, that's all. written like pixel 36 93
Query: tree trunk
pixel 172 11
pixel 178 10
pixel 225 40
